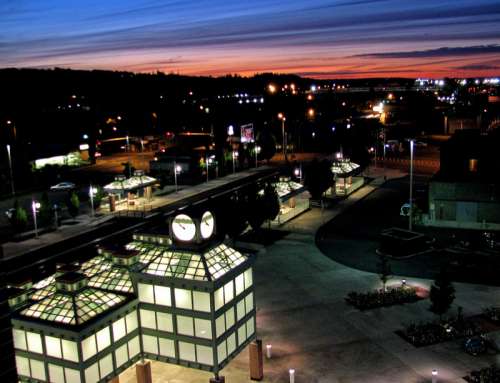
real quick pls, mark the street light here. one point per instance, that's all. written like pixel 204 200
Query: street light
pixel 434 376
pixel 177 170
pixel 34 207
pixel 282 117
pixel 92 192
pixel 257 151
pixel 235 155
pixel 410 220
pixel 10 171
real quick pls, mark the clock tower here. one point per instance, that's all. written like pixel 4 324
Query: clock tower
pixel 192 230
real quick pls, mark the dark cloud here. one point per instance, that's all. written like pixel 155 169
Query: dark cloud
pixel 478 67
pixel 439 52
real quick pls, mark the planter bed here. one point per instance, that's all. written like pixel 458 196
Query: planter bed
pixel 379 298
pixel 485 375
pixel 427 334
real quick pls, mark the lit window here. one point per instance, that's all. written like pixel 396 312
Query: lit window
pixel 204 355
pixel 201 301
pixel 131 320
pixel 219 298
pixel 240 309
pixel 145 293
pixel 231 343
pixel 37 369
pixel 103 339
pixel 164 322
pixel 70 350
pixel 121 355
pixel 106 366
pixel 19 339
pixel 248 278
pixel 230 318
pixel 150 344
pixel 228 292
pixel 242 334
pixel 240 284
pixel 167 347
pixel 183 299
pixel 221 352
pixel 92 373
pixel 250 326
pixel 89 348
pixel 134 347
pixel 56 373
pixel 185 325
pixel 119 330
pixel 186 351
pixel 23 366
pixel 162 296
pixel 34 342
pixel 220 325
pixel 53 347
pixel 203 328
pixel 148 319
pixel 249 302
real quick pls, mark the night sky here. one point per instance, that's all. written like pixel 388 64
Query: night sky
pixel 323 39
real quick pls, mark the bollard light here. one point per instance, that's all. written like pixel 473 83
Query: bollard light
pixel 403 282
pixel 292 375
pixel 269 351
pixel 434 376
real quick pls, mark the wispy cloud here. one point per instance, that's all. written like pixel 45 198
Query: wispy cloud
pixel 439 52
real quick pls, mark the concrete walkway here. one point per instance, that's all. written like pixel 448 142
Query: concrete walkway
pixel 301 311
pixel 311 220
pixel 86 223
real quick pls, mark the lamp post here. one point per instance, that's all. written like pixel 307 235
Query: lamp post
pixel 92 191
pixel 128 155
pixel 10 171
pixel 177 170
pixel 34 207
pixel 282 117
pixel 434 376
pixel 257 151
pixel 206 163
pixel 410 221
pixel 235 155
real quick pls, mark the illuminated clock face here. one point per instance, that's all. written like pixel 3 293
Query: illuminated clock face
pixel 183 227
pixel 207 225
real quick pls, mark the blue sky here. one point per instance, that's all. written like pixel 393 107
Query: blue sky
pixel 358 38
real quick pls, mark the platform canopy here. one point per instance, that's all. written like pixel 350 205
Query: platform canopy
pixel 344 167
pixel 138 181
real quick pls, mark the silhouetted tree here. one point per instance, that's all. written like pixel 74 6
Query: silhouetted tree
pixel 318 178
pixel 384 270
pixel 45 215
pixel 442 294
pixel 73 204
pixel 19 217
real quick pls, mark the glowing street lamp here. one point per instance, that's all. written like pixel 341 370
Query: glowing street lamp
pixel 257 151
pixel 434 376
pixel 177 170
pixel 235 155
pixel 92 193
pixel 410 216
pixel 271 88
pixel 34 208
pixel 282 117
pixel 311 112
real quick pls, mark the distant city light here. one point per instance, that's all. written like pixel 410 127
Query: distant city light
pixel 271 88
pixel 313 88
pixel 230 130
pixel 85 136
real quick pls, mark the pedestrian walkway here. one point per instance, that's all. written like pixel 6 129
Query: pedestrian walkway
pixel 310 221
pixel 86 223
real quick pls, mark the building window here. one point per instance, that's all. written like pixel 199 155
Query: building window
pixel 185 325
pixel 186 351
pixel 473 165
pixel 183 299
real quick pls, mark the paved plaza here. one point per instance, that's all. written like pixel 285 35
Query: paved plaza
pixel 301 312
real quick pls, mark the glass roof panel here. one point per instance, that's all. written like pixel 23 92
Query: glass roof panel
pixel 73 310
pixel 222 259
pixel 343 166
pixel 115 279
pixel 95 266
pixel 178 264
pixel 286 187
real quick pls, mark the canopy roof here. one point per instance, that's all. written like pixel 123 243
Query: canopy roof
pixel 132 183
pixel 202 266
pixel 344 167
pixel 116 279
pixel 73 309
pixel 287 187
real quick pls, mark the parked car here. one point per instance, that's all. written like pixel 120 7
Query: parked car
pixel 63 186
